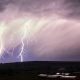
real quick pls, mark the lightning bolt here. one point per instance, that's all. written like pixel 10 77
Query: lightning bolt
pixel 9 52
pixel 25 31
pixel 22 46
pixel 25 28
pixel 2 30
pixel 29 27
pixel 22 49
pixel 1 48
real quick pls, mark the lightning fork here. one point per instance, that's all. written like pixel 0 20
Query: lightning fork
pixel 2 30
pixel 25 32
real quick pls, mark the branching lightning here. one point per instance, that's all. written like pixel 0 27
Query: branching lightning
pixel 2 29
pixel 22 45
pixel 28 27
pixel 25 31
pixel 1 47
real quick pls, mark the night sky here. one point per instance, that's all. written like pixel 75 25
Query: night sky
pixel 39 30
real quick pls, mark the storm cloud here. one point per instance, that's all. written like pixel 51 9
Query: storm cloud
pixel 54 32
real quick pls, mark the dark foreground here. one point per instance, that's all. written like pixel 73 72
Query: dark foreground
pixel 40 71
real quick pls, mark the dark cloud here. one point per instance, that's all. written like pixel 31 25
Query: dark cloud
pixel 24 4
pixel 73 7
pixel 36 6
pixel 3 4
pixel 66 8
pixel 33 6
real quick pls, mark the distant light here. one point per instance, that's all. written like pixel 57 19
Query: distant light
pixel 42 75
pixel 53 76
pixel 57 73
pixel 67 74
pixel 72 77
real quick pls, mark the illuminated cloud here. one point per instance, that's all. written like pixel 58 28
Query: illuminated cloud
pixel 46 29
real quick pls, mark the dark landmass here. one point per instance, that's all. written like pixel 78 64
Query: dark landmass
pixel 31 70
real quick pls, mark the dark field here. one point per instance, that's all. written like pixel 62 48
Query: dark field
pixel 32 70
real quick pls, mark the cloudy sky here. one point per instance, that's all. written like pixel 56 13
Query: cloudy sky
pixel 39 30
